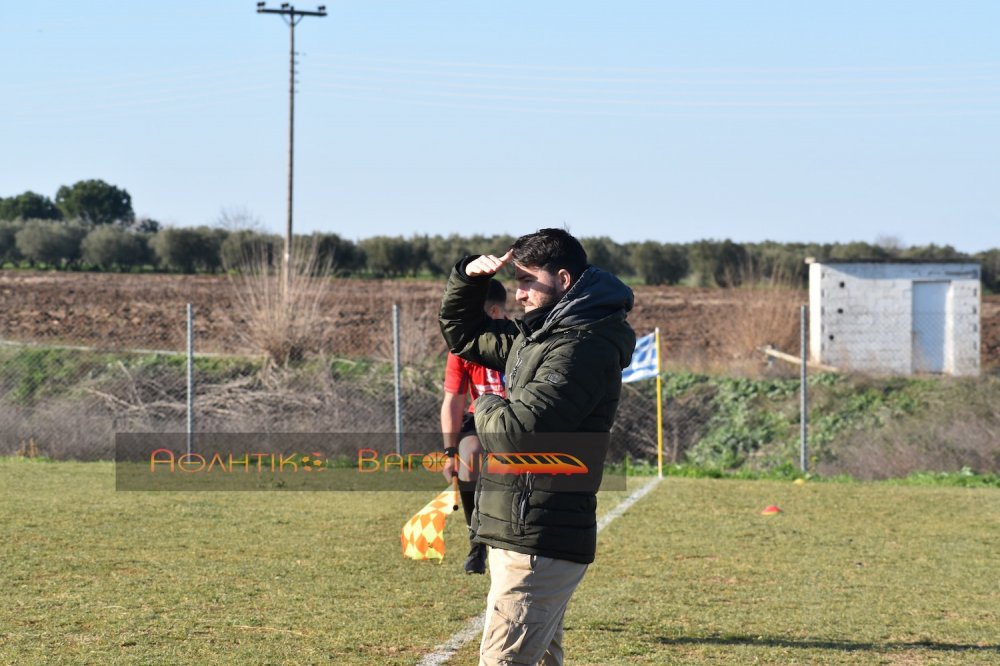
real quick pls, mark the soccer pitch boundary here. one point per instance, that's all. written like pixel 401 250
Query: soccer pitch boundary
pixel 474 627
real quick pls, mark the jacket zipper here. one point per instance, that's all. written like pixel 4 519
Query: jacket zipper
pixel 474 523
pixel 525 494
pixel 522 507
pixel 517 362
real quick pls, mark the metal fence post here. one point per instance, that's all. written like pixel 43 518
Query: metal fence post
pixel 804 390
pixel 190 378
pixel 399 393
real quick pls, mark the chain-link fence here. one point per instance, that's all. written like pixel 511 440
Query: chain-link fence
pixel 89 355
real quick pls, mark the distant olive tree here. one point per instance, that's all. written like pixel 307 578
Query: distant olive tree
pixel 718 263
pixel 420 254
pixel 934 252
pixel 109 247
pixel 50 242
pixel 659 263
pixel 607 254
pixel 245 248
pixel 187 250
pixel 388 256
pixel 778 263
pixel 857 251
pixel 8 241
pixel 340 255
pixel 989 262
pixel 446 251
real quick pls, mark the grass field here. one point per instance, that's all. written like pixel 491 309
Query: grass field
pixel 849 573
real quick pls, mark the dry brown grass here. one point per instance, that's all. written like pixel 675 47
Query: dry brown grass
pixel 942 437
pixel 281 321
pixel 59 429
pixel 763 312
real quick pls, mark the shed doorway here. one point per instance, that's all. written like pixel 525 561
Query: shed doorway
pixel 930 326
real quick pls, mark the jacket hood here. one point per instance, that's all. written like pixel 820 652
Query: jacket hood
pixel 597 300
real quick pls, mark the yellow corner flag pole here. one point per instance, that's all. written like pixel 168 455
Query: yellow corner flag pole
pixel 659 408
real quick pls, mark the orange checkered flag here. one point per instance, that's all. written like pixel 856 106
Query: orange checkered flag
pixel 423 535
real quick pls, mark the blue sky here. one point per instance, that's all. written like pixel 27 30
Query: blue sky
pixel 665 120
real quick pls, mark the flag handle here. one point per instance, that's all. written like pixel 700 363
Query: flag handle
pixel 659 409
pixel 454 483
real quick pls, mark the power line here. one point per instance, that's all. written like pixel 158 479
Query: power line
pixel 292 18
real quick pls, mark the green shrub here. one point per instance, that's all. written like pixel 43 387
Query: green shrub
pixel 189 249
pixel 8 242
pixel 245 248
pixel 659 263
pixel 50 242
pixel 113 247
pixel 28 206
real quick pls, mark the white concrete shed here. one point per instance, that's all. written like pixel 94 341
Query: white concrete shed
pixel 895 317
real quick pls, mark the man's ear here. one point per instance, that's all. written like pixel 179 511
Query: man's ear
pixel 564 279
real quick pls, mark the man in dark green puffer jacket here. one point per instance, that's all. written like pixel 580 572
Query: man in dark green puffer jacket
pixel 563 364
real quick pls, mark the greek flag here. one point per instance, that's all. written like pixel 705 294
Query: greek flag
pixel 643 360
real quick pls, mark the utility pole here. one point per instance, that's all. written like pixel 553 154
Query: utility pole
pixel 292 17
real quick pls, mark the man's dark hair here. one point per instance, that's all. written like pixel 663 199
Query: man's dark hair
pixel 551 250
pixel 496 293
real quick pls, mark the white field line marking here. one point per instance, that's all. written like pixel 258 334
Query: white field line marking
pixel 626 504
pixel 447 650
pixel 474 627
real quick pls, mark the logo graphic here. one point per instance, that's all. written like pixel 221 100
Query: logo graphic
pixel 562 462
pixel 313 463
pixel 536 463
pixel 167 460
pixel 434 461
pixel 491 463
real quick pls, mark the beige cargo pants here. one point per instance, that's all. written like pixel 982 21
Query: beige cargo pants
pixel 525 607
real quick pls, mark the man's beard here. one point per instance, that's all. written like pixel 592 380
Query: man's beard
pixel 545 301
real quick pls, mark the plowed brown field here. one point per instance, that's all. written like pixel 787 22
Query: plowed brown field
pixel 111 311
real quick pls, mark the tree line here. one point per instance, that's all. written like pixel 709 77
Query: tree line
pixel 91 226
